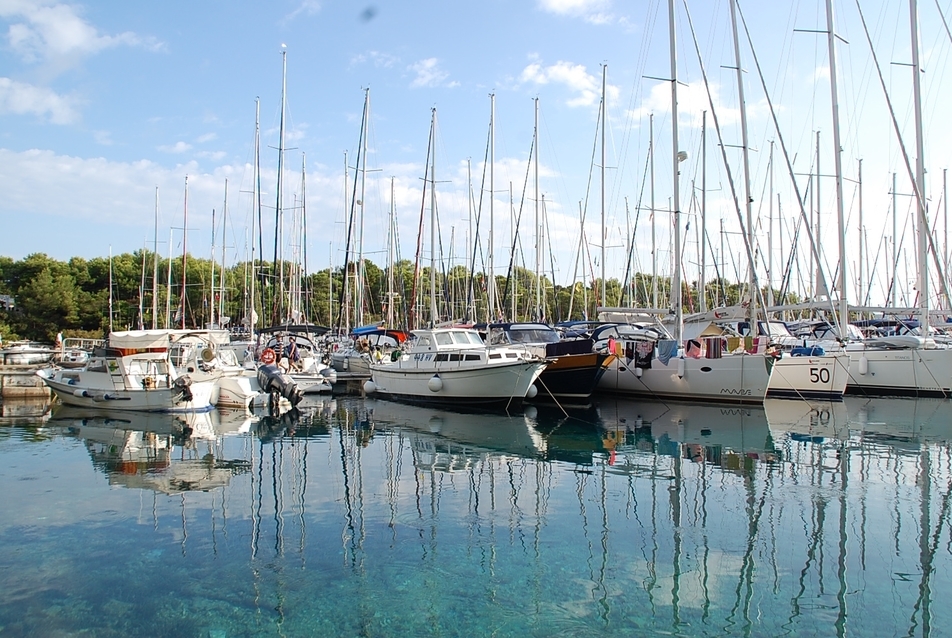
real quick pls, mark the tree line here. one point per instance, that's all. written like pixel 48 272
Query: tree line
pixel 73 297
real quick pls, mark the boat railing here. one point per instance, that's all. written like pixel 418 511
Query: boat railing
pixel 78 343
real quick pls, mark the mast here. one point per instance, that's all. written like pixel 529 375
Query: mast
pixel 390 243
pixel 221 283
pixel 184 254
pixel 110 288
pixel 359 274
pixel 748 200
pixel 491 284
pixel 675 160
pixel 843 310
pixel 278 315
pixel 770 220
pixel 702 284
pixel 602 172
pixel 923 222
pixel 255 219
pixel 433 311
pixel 211 304
pixel 155 262
pixel 654 236
pixel 539 239
pixel 895 246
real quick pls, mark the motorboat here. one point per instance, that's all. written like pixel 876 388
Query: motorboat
pixel 454 366
pixel 23 353
pixel 133 371
pixel 574 367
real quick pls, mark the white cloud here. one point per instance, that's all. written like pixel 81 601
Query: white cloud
pixel 307 8
pixel 692 101
pixel 19 98
pixel 585 86
pixel 212 155
pixel 178 147
pixel 52 31
pixel 207 137
pixel 378 59
pixel 103 138
pixel 428 74
pixel 592 11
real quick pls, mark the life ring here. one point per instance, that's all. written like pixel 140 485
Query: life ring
pixel 267 356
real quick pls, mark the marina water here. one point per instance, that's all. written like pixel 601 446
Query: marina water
pixel 359 517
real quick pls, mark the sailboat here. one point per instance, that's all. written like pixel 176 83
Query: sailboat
pixel 453 365
pixel 654 363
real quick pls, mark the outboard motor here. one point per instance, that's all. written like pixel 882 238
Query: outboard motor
pixel 276 383
pixel 182 384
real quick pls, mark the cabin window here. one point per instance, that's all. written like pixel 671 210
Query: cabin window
pixel 424 342
pixel 460 337
pixel 495 356
pixel 474 338
pixel 512 355
pixel 472 357
pixel 441 357
pixel 444 339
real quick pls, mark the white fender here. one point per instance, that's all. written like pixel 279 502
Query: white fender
pixel 532 392
pixel 863 365
pixel 435 384
pixel 681 368
pixel 369 386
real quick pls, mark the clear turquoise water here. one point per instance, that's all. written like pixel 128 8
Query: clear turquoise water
pixel 358 518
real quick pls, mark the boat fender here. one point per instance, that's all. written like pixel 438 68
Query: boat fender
pixel 435 384
pixel 330 374
pixel 267 356
pixel 396 354
pixel 680 368
pixel 81 393
pixel 863 365
pixel 532 392
pixel 638 372
pixel 370 387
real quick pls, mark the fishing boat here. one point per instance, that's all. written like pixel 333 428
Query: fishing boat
pixel 132 372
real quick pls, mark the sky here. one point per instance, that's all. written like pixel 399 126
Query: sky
pixel 107 108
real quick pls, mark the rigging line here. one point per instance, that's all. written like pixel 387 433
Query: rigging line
pixel 783 147
pixel 634 232
pixel 730 179
pixel 923 210
pixel 516 239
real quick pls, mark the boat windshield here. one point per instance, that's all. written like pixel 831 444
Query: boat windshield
pixel 532 335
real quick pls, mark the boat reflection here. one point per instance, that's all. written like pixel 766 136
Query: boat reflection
pixel 168 453
pixel 444 440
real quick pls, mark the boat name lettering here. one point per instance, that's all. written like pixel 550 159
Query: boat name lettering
pixel 738 391
pixel 422 357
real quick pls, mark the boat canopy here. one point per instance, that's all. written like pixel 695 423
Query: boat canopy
pixel 139 339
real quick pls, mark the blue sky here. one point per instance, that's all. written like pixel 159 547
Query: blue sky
pixel 100 103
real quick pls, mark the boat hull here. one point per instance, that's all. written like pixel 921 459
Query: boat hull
pixel 741 378
pixel 910 372
pixel 153 400
pixel 499 385
pixel 824 377
pixel 572 377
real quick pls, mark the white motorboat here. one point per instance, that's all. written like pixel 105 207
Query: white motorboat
pixel 22 353
pixel 133 372
pixel 203 355
pixel 453 366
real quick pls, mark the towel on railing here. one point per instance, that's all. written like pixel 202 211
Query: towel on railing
pixel 667 348
pixel 644 353
pixel 733 343
pixel 692 349
pixel 713 345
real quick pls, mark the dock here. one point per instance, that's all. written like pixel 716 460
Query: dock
pixel 21 381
